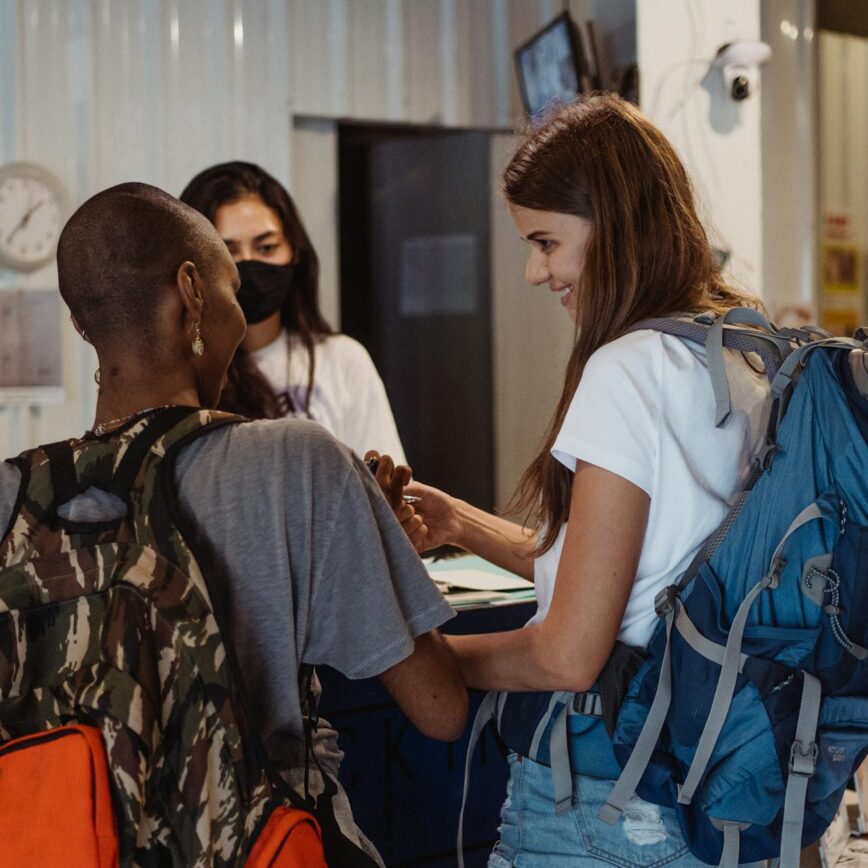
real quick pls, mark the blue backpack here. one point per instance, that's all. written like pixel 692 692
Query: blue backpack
pixel 750 713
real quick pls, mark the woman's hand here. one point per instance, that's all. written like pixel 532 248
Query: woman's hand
pixel 440 523
pixel 392 479
pixel 430 521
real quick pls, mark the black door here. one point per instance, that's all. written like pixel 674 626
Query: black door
pixel 415 290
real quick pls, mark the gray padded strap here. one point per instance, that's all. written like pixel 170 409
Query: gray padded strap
pixel 705 647
pixel 554 699
pixel 731 845
pixel 730 666
pixel 730 852
pixel 803 762
pixel 487 711
pixel 626 785
pixel 559 757
pixel 809 513
pixel 717 372
pixel 715 334
pixel 784 376
pixel 805 334
pixel 680 326
pixel 756 341
pixel 771 345
pixel 748 316
pixel 722 695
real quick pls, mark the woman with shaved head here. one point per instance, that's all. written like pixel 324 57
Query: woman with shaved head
pixel 302 556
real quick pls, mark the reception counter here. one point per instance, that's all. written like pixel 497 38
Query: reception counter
pixel 405 788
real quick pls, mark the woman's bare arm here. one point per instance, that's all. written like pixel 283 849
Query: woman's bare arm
pixel 567 651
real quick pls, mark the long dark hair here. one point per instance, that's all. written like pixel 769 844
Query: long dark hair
pixel 648 254
pixel 247 391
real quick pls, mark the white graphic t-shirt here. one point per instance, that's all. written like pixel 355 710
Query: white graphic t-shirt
pixel 349 398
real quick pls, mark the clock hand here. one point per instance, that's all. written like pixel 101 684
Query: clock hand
pixel 22 223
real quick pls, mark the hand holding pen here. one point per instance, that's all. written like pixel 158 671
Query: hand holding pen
pixel 389 475
pixel 392 479
pixel 430 517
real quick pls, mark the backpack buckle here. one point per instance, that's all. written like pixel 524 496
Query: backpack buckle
pixel 664 602
pixel 588 703
pixel 773 579
pixel 767 452
pixel 803 761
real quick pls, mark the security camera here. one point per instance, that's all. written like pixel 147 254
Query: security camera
pixel 740 63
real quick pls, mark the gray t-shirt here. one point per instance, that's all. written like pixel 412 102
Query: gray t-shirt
pixel 311 563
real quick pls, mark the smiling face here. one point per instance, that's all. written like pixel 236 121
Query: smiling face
pixel 559 244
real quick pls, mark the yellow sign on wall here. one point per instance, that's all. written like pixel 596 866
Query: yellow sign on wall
pixel 842 299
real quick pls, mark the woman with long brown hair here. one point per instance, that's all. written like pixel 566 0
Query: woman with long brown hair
pixel 633 475
pixel 291 362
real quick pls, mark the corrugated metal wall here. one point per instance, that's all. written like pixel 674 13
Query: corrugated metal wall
pixel 102 91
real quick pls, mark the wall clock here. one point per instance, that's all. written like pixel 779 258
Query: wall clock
pixel 32 213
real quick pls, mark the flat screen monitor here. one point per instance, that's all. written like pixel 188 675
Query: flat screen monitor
pixel 549 67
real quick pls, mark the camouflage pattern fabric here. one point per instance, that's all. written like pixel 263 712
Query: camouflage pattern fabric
pixel 112 624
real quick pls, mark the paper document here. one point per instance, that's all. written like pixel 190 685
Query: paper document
pixel 479 580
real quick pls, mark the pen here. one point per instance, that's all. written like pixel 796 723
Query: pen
pixel 374 463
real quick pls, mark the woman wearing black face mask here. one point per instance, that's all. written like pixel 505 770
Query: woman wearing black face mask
pixel 291 362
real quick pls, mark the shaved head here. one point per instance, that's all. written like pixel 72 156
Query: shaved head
pixel 118 254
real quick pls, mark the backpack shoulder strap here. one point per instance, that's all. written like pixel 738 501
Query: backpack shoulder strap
pixel 48 478
pixel 742 329
pixel 162 433
pixel 22 462
pixel 799 357
pixel 158 475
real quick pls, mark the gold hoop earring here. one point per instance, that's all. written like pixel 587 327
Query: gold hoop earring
pixel 96 376
pixel 198 345
pixel 82 333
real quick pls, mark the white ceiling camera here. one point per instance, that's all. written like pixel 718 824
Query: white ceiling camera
pixel 740 63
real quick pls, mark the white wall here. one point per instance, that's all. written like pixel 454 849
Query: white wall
pixel 789 162
pixel 315 190
pixel 718 139
pixel 101 91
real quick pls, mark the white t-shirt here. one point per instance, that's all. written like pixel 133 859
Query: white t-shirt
pixel 349 398
pixel 644 409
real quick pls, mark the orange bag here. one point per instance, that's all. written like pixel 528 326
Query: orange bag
pixel 55 803
pixel 291 839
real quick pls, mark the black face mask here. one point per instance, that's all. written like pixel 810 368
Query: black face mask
pixel 263 288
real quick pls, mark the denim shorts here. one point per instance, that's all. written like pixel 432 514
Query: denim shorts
pixel 533 836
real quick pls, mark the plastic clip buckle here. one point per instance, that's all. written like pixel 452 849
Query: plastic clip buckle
pixel 803 762
pixel 773 579
pixel 767 452
pixel 588 703
pixel 664 602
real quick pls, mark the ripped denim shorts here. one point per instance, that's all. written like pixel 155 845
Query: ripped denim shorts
pixel 533 836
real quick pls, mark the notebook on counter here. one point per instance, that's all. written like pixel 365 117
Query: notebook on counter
pixel 469 580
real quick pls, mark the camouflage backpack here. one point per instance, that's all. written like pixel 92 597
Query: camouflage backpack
pixel 112 624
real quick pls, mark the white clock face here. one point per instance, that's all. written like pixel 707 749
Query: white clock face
pixel 31 216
